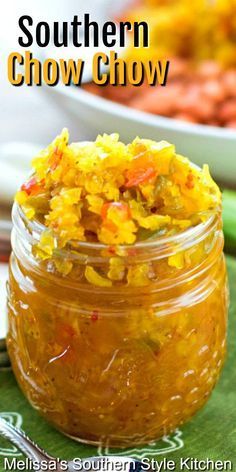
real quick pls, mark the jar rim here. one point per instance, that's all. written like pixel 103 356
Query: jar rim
pixel 185 238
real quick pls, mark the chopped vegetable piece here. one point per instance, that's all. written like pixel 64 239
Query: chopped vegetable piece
pixel 96 279
pixel 142 170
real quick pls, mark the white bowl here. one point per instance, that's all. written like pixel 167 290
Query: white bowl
pixel 202 144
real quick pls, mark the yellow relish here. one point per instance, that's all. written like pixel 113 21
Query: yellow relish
pixel 114 193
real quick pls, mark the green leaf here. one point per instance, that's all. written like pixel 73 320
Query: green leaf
pixel 229 220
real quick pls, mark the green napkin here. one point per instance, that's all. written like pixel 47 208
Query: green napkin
pixel 210 434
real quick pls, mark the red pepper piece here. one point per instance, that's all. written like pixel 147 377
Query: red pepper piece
pixel 139 176
pixel 32 187
pixel 94 315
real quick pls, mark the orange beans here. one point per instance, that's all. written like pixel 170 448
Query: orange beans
pixel 160 101
pixel 214 90
pixel 229 81
pixel 203 93
pixel 194 105
pixel 228 111
pixel 185 117
pixel 209 70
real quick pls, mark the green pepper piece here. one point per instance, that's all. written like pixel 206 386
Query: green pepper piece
pixel 229 220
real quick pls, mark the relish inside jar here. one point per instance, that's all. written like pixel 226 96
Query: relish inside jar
pixel 117 291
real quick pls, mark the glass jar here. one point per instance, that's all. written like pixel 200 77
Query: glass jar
pixel 118 362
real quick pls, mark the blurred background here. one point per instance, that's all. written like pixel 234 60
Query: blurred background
pixel 196 110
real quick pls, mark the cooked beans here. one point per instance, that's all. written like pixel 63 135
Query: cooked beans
pixel 205 93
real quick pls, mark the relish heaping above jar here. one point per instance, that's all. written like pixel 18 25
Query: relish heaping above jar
pixel 116 194
pixel 117 290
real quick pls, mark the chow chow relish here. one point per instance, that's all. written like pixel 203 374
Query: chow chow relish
pixel 117 293
pixel 116 194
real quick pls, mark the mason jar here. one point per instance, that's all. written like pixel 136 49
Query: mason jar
pixel 118 345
